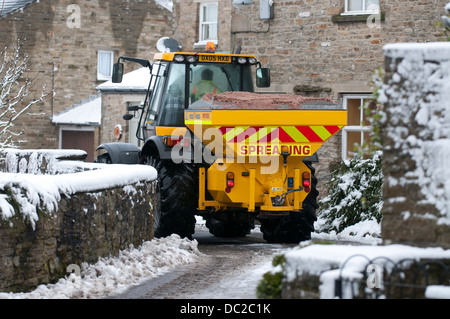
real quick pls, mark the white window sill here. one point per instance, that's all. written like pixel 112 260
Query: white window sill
pixel 356 13
pixel 104 78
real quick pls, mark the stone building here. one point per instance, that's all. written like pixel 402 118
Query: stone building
pixel 71 46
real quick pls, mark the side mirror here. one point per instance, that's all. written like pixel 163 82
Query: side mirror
pixel 128 117
pixel 263 77
pixel 117 73
pixel 133 108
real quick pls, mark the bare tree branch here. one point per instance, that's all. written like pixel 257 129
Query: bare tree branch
pixel 15 90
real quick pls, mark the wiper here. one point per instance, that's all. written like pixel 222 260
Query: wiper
pixel 228 77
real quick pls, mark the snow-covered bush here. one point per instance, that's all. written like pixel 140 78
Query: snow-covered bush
pixel 15 90
pixel 355 194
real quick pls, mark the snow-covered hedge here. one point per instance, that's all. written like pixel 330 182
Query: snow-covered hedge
pixel 355 195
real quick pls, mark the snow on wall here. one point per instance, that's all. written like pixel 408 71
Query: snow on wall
pixel 417 128
pixel 37 162
pixel 326 261
pixel 34 190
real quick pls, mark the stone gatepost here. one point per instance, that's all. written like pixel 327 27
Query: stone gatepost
pixel 416 136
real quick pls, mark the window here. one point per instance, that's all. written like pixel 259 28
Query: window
pixel 104 65
pixel 362 7
pixel 218 78
pixel 173 102
pixel 209 13
pixel 358 129
pixel 133 124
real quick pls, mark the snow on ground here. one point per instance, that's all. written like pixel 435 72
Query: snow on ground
pixel 367 232
pixel 113 275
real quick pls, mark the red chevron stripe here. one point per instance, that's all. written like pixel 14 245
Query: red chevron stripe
pixel 246 134
pixel 332 129
pixel 224 130
pixel 285 137
pixel 309 134
pixel 270 137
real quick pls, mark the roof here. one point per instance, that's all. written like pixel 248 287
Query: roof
pixel 89 113
pixel 133 82
pixel 8 6
pixel 168 4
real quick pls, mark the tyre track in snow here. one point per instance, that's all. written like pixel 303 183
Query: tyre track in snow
pixel 228 269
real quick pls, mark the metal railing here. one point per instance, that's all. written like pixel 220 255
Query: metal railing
pixel 384 278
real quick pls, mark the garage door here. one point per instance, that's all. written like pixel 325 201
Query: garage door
pixel 79 140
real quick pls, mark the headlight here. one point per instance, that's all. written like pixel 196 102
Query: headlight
pixel 252 60
pixel 242 60
pixel 191 59
pixel 179 58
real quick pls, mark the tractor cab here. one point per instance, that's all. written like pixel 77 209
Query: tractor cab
pixel 180 79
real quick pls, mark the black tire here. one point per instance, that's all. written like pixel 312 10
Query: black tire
pixel 178 198
pixel 104 159
pixel 157 210
pixel 296 227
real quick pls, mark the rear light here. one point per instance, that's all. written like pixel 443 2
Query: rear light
pixel 186 141
pixel 230 182
pixel 306 181
pixel 171 141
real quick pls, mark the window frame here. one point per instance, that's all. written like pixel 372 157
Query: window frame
pixel 364 97
pixel 364 11
pixel 101 76
pixel 202 23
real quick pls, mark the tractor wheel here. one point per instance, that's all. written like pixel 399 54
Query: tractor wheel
pixel 178 198
pixel 298 226
pixel 104 159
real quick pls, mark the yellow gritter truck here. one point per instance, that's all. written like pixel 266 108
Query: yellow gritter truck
pixel 224 152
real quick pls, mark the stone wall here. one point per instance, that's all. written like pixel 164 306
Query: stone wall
pixel 114 106
pixel 309 48
pixel 416 144
pixel 85 226
pixel 186 24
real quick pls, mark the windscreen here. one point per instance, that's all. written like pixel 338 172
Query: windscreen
pixel 187 83
pixel 218 78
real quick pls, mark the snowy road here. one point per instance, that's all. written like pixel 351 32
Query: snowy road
pixel 229 269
